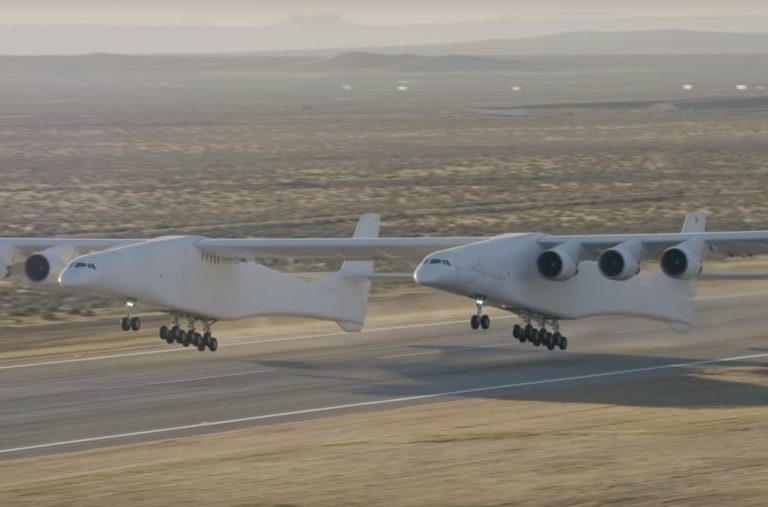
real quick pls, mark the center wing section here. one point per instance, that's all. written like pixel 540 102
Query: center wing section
pixel 338 248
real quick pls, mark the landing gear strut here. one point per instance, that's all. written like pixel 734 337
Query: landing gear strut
pixel 175 333
pixel 479 319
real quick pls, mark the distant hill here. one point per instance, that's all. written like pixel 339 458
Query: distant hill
pixel 329 32
pixel 366 61
pixel 655 42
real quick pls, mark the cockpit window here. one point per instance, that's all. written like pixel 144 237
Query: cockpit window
pixel 435 261
pixel 445 261
pixel 79 265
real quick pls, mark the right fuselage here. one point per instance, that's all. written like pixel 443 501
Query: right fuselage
pixel 501 272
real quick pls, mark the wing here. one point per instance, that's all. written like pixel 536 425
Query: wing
pixel 32 245
pixel 719 244
pixel 339 248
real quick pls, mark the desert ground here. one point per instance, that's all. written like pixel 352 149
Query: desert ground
pixel 138 147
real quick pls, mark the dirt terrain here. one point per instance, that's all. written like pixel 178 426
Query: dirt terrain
pixel 470 452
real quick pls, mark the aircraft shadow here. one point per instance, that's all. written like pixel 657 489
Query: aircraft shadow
pixel 570 377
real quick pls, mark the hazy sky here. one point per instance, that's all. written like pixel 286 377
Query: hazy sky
pixel 254 12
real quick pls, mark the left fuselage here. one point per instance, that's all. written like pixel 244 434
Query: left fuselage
pixel 173 274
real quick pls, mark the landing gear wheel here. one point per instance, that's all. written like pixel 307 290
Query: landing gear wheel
pixel 536 338
pixel 485 322
pixel 528 333
pixel 176 334
pixel 186 338
pixel 213 344
pixel 135 324
pixel 164 332
pixel 518 333
pixel 474 322
pixel 206 339
pixel 202 344
pixel 557 339
pixel 551 343
pixel 563 343
pixel 125 324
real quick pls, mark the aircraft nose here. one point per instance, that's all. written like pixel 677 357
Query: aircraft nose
pixel 434 275
pixel 69 278
pixel 76 278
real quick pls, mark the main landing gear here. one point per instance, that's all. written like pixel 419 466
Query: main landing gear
pixel 540 336
pixel 175 333
pixel 480 320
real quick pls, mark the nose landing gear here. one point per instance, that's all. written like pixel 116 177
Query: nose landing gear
pixel 480 320
pixel 130 323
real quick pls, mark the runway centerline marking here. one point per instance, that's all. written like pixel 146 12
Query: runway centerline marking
pixel 505 344
pixel 373 403
pixel 195 379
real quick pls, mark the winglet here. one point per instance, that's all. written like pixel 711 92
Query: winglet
pixel 695 221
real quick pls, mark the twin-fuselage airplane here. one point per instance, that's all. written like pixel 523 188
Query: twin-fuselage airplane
pixel 541 278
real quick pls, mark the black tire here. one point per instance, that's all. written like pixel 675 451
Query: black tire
pixel 213 344
pixel 529 332
pixel 535 339
pixel 176 333
pixel 169 338
pixel 517 332
pixel 186 338
pixel 557 337
pixel 206 339
pixel 135 324
pixel 551 343
pixel 485 322
pixel 164 332
pixel 563 343
pixel 201 345
pixel 474 322
pixel 125 324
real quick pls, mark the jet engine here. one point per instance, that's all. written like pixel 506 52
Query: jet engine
pixel 684 261
pixel 559 263
pixel 45 266
pixel 621 262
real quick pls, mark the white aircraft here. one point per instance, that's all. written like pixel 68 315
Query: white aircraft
pixel 542 278
pixel 545 279
pixel 203 280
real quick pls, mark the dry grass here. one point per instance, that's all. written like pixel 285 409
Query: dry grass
pixel 459 453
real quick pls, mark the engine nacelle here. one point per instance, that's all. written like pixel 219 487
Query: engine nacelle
pixel 45 266
pixel 684 261
pixel 621 262
pixel 559 263
pixel 8 255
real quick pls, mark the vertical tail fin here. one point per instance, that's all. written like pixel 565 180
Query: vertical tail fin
pixel 695 222
pixel 353 279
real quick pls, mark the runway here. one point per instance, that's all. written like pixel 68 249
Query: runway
pixel 70 403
